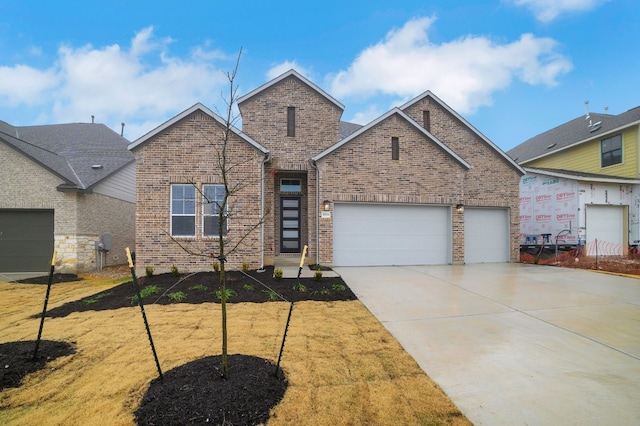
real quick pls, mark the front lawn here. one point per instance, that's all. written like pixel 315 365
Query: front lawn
pixel 341 365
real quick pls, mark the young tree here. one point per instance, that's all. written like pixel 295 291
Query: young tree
pixel 216 203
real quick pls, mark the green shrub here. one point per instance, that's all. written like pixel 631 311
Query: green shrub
pixel 317 275
pixel 148 271
pixel 228 293
pixel 177 296
pixel 277 273
pixel 248 287
pixel 146 291
pixel 273 296
pixel 245 267
pixel 174 271
pixel 300 287
pixel 216 266
pixel 199 287
pixel 338 287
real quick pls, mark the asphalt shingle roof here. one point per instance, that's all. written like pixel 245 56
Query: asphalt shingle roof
pixel 70 150
pixel 572 132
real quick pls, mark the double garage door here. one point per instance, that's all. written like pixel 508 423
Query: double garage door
pixel 390 234
pixel 26 240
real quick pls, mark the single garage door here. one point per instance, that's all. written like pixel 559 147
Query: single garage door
pixel 605 224
pixel 486 235
pixel 388 234
pixel 26 243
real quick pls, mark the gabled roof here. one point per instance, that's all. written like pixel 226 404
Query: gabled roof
pixel 287 74
pixel 581 176
pixel 81 154
pixel 429 94
pixel 197 107
pixel 572 133
pixel 380 119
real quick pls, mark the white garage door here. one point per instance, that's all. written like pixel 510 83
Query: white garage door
pixel 486 235
pixel 605 224
pixel 387 234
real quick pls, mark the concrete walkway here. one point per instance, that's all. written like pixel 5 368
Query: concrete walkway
pixel 515 344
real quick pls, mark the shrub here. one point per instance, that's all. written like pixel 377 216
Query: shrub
pixel 199 287
pixel 177 296
pixel 317 275
pixel 245 267
pixel 273 296
pixel 338 287
pixel 248 287
pixel 228 293
pixel 146 291
pixel 277 273
pixel 174 270
pixel 148 271
pixel 300 287
pixel 216 266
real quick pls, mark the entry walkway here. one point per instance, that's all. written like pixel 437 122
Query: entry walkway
pixel 516 344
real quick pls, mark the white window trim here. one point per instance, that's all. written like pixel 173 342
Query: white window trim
pixel 205 201
pixel 172 214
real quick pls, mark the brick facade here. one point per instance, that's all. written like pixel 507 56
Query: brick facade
pixel 361 170
pixel 189 153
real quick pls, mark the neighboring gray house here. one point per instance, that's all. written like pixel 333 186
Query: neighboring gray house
pixel 68 187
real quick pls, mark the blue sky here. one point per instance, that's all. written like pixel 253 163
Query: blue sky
pixel 512 68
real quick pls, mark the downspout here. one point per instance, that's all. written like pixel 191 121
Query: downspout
pixel 315 166
pixel 267 158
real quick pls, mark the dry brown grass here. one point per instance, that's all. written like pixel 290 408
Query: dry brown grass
pixel 343 367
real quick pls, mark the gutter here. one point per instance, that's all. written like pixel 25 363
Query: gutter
pixel 313 164
pixel 267 158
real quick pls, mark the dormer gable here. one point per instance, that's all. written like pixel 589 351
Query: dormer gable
pixel 292 117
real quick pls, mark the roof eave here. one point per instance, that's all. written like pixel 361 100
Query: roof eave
pixel 379 120
pixel 603 179
pixel 503 154
pixel 281 77
pixel 582 141
pixel 199 106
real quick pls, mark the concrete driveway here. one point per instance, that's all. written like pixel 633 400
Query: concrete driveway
pixel 516 344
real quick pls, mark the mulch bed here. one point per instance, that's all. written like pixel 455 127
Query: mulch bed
pixel 194 393
pixel 253 286
pixel 16 359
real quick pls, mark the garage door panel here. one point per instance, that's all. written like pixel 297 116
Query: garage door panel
pixel 486 235
pixel 26 243
pixel 377 234
pixel 605 224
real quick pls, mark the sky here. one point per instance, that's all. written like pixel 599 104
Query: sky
pixel 512 68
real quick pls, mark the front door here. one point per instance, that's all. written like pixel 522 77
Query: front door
pixel 290 225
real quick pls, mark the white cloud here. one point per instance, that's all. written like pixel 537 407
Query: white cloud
pixel 138 85
pixel 21 84
pixel 464 72
pixel 548 10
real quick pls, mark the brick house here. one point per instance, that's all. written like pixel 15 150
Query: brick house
pixel 68 187
pixel 418 185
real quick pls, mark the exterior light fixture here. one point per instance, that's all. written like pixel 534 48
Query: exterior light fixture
pixel 460 208
pixel 326 205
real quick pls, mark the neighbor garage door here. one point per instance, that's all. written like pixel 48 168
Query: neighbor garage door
pixel 605 224
pixel 486 235
pixel 26 243
pixel 383 234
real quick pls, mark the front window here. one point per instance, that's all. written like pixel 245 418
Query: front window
pixel 212 206
pixel 290 185
pixel 183 210
pixel 611 151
